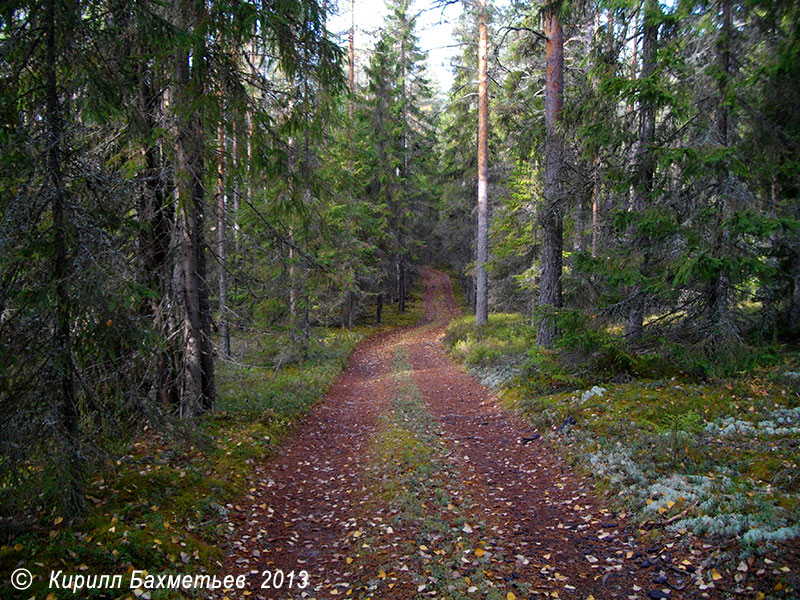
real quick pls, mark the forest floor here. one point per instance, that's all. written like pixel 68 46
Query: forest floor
pixel 409 481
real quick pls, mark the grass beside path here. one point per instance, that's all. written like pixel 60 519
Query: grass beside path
pixel 715 458
pixel 160 505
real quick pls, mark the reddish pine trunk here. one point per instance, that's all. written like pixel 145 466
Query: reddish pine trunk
pixel 550 217
pixel 482 299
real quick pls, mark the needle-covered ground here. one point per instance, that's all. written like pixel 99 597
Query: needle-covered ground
pixel 409 481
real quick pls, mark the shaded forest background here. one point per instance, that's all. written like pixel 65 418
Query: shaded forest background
pixel 180 178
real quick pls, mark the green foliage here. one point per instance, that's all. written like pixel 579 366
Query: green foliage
pixel 160 506
pixel 715 455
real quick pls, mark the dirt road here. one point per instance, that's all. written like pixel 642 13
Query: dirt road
pixel 408 481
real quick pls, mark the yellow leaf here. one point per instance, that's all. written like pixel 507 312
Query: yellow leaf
pixel 715 575
pixel 670 504
pixel 382 574
pixel 479 552
pixel 57 520
pixel 348 560
pixel 510 596
pixel 662 510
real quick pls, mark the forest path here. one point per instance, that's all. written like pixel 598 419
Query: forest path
pixel 408 481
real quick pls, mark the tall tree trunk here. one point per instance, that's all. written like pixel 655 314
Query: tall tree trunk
pixel 596 159
pixel 292 279
pixel 403 280
pixel 645 167
pixel 718 301
pixel 352 74
pixel 225 337
pixel 550 217
pixel 156 216
pixel 198 390
pixel 236 190
pixel 68 409
pixel 595 206
pixel 482 299
pixel 404 181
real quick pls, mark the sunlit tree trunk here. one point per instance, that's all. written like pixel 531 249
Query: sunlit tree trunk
pixel 352 74
pixel 482 298
pixel 550 217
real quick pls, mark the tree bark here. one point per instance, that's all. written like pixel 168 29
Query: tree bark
pixel 225 337
pixel 236 191
pixel 482 298
pixel 552 210
pixel 198 390
pixel 645 168
pixel 156 216
pixel 352 74
pixel 717 293
pixel 74 501
pixel 595 207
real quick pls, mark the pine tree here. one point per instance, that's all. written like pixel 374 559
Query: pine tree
pixel 551 211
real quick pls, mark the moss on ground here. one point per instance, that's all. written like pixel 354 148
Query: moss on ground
pixel 161 505
pixel 716 457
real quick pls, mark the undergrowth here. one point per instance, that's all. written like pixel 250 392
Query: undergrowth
pixel 161 504
pixel 697 450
